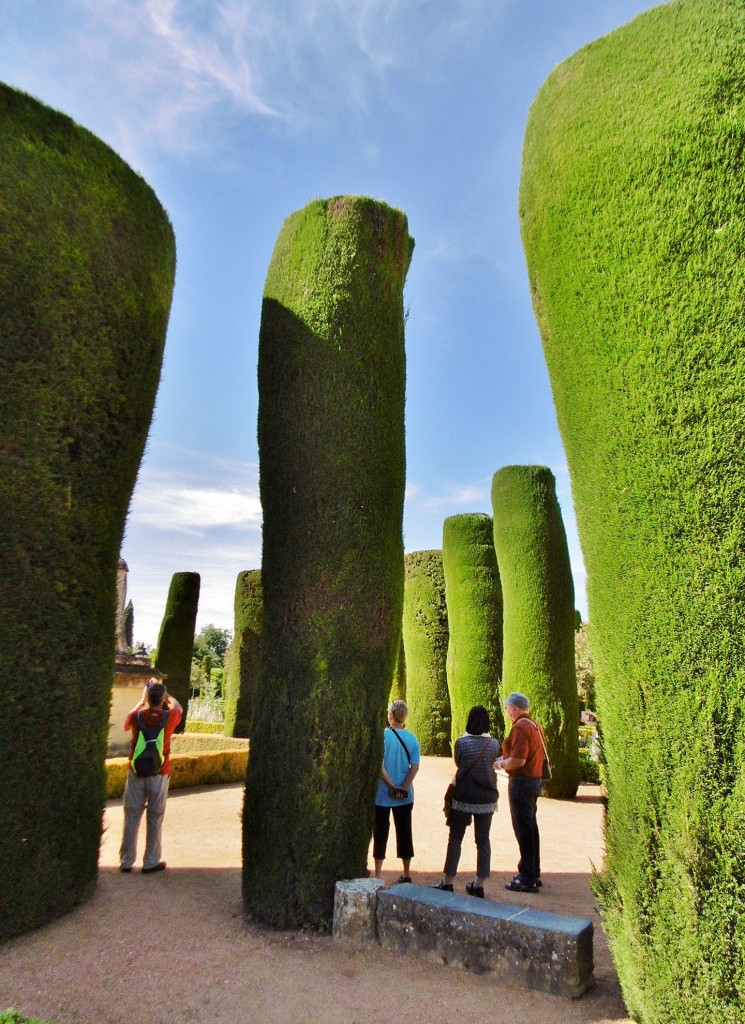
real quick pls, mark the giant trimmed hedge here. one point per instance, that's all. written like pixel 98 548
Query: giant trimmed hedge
pixel 242 663
pixel 398 686
pixel 539 617
pixel 332 476
pixel 473 594
pixel 632 201
pixel 87 261
pixel 176 638
pixel 425 640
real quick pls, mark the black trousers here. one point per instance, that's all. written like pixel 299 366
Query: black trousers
pixel 402 822
pixel 523 793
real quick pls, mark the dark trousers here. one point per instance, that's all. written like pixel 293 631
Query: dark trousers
pixel 459 822
pixel 523 794
pixel 402 823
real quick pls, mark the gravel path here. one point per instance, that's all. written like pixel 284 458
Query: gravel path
pixel 174 947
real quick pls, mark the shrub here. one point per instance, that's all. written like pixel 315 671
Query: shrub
pixel 14 1017
pixel 332 477
pixel 539 617
pixel 473 595
pixel 425 642
pixel 398 686
pixel 631 203
pixel 198 766
pixel 244 657
pixel 86 273
pixel 176 638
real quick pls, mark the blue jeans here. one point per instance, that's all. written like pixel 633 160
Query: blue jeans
pixel 523 793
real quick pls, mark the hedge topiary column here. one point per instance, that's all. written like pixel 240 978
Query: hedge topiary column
pixel 242 664
pixel 398 686
pixel 425 640
pixel 539 617
pixel 474 602
pixel 87 262
pixel 332 476
pixel 176 638
pixel 632 208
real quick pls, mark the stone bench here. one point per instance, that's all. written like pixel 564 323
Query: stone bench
pixel 518 945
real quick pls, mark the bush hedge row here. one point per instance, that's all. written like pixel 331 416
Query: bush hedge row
pixel 87 260
pixel 425 643
pixel 632 202
pixel 473 593
pixel 332 478
pixel 176 638
pixel 244 654
pixel 538 595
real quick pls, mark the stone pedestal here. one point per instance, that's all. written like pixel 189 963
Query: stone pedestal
pixel 131 673
pixel 355 910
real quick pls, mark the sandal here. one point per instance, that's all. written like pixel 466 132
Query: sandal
pixel 445 886
pixel 475 890
pixel 402 879
pixel 516 885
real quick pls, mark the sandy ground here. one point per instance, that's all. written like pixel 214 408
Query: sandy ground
pixel 175 947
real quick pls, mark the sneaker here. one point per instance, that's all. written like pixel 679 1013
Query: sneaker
pixel 402 879
pixel 517 885
pixel 475 890
pixel 445 886
pixel 160 866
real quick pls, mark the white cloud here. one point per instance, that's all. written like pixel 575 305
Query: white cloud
pixel 155 74
pixel 458 496
pixel 191 512
pixel 178 499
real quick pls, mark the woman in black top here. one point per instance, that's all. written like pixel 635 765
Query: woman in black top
pixel 475 796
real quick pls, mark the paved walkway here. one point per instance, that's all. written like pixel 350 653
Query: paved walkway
pixel 182 933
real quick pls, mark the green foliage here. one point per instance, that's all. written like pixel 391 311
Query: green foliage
pixel 584 668
pixel 129 625
pixel 425 642
pixel 474 604
pixel 539 615
pixel 86 273
pixel 398 686
pixel 242 663
pixel 176 637
pixel 589 769
pixel 213 641
pixel 14 1017
pixel 332 474
pixel 632 209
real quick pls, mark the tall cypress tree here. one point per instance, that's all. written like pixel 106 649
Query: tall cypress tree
pixel 539 618
pixel 244 657
pixel 398 686
pixel 425 641
pixel 176 637
pixel 87 261
pixel 632 203
pixel 332 476
pixel 474 603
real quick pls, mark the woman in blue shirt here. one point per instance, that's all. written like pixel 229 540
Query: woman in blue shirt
pixel 395 791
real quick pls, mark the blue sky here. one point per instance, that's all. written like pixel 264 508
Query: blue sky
pixel 237 113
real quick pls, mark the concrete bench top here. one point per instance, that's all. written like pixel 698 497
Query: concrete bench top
pixel 518 945
pixel 527 916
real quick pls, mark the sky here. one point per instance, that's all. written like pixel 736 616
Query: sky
pixel 239 112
